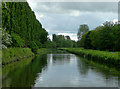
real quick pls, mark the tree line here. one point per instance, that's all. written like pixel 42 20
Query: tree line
pixel 105 37
pixel 62 41
pixel 22 29
pixel 20 22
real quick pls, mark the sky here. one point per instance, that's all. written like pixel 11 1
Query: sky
pixel 64 18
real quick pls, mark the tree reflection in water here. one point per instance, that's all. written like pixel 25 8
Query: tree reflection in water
pixel 24 75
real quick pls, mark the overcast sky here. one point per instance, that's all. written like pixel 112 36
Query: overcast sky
pixel 66 17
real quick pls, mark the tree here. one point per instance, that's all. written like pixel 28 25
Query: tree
pixel 54 37
pixel 67 37
pixel 19 23
pixel 106 37
pixel 62 41
pixel 33 47
pixel 82 30
pixel 17 41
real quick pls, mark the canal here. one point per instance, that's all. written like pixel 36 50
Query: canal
pixel 59 69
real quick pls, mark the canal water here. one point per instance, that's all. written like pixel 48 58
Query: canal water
pixel 59 69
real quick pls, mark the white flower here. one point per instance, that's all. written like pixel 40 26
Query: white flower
pixel 6 38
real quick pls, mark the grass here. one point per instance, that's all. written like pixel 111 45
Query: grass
pixel 15 54
pixel 11 55
pixel 42 51
pixel 105 57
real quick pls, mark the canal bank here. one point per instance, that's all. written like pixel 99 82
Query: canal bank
pixel 67 69
pixel 104 57
pixel 12 55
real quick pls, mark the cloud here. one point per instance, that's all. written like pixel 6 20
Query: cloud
pixel 68 7
pixel 115 20
pixel 66 17
pixel 75 13
pixel 75 0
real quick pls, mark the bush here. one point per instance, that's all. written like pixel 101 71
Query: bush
pixel 14 54
pixel 103 57
pixel 33 47
pixel 6 38
pixel 17 40
pixel 39 44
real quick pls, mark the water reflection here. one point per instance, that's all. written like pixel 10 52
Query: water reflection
pixel 60 72
pixel 59 69
pixel 106 71
pixel 82 67
pixel 24 75
pixel 58 59
pixel 68 70
pixel 99 72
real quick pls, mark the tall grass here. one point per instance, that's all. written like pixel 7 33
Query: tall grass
pixel 15 54
pixel 105 57
pixel 42 51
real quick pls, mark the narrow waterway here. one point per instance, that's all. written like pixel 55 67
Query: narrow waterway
pixel 60 69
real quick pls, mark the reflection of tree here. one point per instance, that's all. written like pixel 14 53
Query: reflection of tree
pixel 25 76
pixel 54 51
pixel 103 70
pixel 61 58
pixel 83 67
pixel 119 82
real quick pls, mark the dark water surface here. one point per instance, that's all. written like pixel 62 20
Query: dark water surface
pixel 59 69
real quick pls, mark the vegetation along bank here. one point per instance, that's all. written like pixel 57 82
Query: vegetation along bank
pixel 15 54
pixel 110 58
pixel 22 34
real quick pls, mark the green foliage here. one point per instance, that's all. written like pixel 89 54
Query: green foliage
pixel 106 37
pixel 82 30
pixel 80 43
pixel 94 38
pixel 14 54
pixel 33 47
pixel 104 57
pixel 74 44
pixel 17 40
pixel 39 44
pixel 49 44
pixel 87 42
pixel 42 51
pixel 18 18
pixel 61 41
pixel 27 68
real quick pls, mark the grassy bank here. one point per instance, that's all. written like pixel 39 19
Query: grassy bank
pixel 105 57
pixel 15 54
pixel 23 61
pixel 42 51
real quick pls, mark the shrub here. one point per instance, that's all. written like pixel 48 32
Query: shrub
pixel 6 39
pixel 13 54
pixel 33 47
pixel 17 40
pixel 103 57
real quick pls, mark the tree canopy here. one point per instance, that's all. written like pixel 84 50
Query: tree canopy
pixel 106 37
pixel 82 30
pixel 20 22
